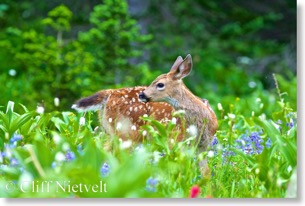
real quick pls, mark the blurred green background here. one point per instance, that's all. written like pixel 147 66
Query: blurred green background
pixel 71 49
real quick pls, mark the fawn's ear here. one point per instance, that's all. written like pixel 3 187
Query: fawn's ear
pixel 178 61
pixel 182 69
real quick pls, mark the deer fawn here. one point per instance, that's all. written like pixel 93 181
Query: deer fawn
pixel 121 109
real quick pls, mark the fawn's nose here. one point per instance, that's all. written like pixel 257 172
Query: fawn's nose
pixel 143 97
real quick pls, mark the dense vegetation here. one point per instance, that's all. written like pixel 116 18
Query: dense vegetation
pixel 51 57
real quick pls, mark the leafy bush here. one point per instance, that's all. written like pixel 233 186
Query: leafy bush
pixel 57 68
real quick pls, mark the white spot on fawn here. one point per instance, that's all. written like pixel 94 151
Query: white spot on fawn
pixel 126 95
pixel 133 99
pixel 136 109
pixel 130 108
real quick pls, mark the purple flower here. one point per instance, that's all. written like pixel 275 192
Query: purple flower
pixel 251 144
pixel 14 162
pixel 290 124
pixel 151 184
pixel 70 155
pixel 268 143
pixel 214 141
pixel 105 169
pixel 15 138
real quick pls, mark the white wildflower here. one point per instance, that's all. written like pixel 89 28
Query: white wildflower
pixel 219 106
pixel 133 127
pixel 12 72
pixel 82 121
pixel 65 146
pixel 192 130
pixel 119 126
pixel 110 120
pixel 126 144
pixel 231 116
pixel 40 109
pixel 144 133
pixel 56 138
pixel 174 120
pixel 59 157
pixel 210 153
pixel 157 156
pixel 56 101
pixel 145 115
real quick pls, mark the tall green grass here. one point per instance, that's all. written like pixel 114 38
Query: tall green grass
pixel 253 154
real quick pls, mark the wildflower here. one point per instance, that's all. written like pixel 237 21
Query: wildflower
pixel 119 126
pixel 15 138
pixel 210 153
pixel 126 144
pixel 268 143
pixel 192 130
pixel 56 101
pixel 219 106
pixel 231 116
pixel 105 169
pixel 14 162
pixel 59 157
pixel 151 184
pixel 195 191
pixel 70 155
pixel 250 144
pixel 174 120
pixel 214 141
pixel 144 133
pixel 82 121
pixel 133 127
pixel 290 124
pixel 40 109
pixel 12 72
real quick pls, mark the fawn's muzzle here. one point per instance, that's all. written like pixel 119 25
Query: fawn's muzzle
pixel 143 97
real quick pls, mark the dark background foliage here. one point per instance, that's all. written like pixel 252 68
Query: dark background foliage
pixel 69 49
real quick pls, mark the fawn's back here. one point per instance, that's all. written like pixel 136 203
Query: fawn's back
pixel 121 109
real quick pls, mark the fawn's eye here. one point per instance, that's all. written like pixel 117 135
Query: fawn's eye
pixel 160 86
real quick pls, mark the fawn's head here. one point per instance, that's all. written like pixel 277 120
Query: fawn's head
pixel 163 88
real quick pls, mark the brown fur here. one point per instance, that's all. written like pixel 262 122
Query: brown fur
pixel 121 109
